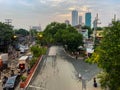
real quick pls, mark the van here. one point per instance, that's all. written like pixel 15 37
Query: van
pixel 12 82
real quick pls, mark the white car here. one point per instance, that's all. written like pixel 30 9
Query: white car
pixel 22 50
pixel 24 47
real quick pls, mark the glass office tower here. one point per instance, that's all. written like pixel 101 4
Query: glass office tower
pixel 88 19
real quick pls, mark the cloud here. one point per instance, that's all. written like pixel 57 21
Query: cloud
pixel 71 8
pixel 84 8
pixel 63 15
pixel 46 11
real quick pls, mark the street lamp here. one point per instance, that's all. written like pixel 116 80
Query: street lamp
pixel 83 83
pixel 14 36
pixel 40 35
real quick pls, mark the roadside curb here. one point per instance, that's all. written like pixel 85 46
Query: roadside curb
pixel 29 77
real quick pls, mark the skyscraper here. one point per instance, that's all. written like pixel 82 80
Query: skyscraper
pixel 74 17
pixel 80 19
pixel 88 19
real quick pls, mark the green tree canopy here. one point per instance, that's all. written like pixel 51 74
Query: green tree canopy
pixel 37 51
pixel 90 31
pixel 98 28
pixel 107 56
pixel 6 36
pixel 63 34
pixel 22 32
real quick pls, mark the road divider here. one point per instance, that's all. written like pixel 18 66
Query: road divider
pixel 25 83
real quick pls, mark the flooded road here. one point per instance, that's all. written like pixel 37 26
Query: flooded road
pixel 57 73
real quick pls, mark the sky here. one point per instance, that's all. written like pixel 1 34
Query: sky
pixel 27 13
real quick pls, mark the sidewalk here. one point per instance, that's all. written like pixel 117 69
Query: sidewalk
pixel 90 86
pixel 1 84
pixel 12 65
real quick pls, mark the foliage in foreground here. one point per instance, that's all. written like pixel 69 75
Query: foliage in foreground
pixel 107 57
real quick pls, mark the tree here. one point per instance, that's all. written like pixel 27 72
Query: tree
pixel 51 30
pixel 90 31
pixel 22 32
pixel 73 41
pixel 98 28
pixel 54 27
pixel 6 36
pixel 60 33
pixel 107 57
pixel 37 51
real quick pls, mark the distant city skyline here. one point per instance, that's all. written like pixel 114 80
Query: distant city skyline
pixel 26 13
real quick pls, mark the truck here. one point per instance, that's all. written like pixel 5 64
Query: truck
pixel 23 63
pixel 4 60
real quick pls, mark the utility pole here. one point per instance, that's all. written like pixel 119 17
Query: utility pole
pixel 114 17
pixel 29 33
pixel 95 23
pixel 8 21
pixel 83 83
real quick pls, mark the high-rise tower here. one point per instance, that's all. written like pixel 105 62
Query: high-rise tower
pixel 88 19
pixel 74 17
pixel 80 20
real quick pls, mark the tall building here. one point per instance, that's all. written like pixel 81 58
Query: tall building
pixel 88 19
pixel 74 17
pixel 80 20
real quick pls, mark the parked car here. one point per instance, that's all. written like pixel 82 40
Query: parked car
pixel 25 47
pixel 30 57
pixel 22 50
pixel 12 82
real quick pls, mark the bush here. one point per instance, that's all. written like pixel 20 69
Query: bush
pixel 23 78
pixel 32 62
pixel 38 50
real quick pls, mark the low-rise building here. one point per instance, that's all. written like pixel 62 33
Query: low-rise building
pixel 84 32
